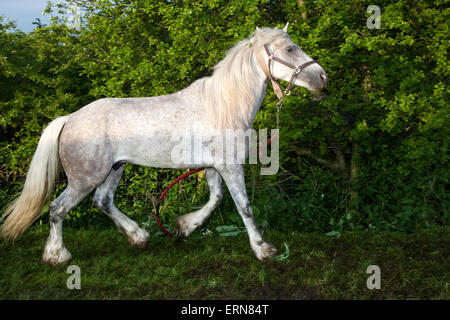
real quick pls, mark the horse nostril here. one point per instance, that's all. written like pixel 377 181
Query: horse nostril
pixel 324 77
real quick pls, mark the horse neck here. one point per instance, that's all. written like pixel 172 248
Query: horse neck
pixel 249 90
pixel 260 87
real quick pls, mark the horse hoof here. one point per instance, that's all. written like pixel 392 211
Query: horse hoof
pixel 266 251
pixel 179 234
pixel 180 230
pixel 55 258
pixel 186 225
pixel 139 238
pixel 140 244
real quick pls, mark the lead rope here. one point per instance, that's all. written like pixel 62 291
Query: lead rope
pixel 287 92
pixel 279 105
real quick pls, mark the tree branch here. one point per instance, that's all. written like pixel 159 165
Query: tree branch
pixel 338 165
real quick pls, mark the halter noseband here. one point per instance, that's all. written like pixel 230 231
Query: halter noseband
pixel 277 87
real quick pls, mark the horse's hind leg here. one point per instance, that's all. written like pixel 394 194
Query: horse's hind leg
pixel 103 199
pixel 189 222
pixel 55 252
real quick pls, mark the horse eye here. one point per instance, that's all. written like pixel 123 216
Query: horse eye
pixel 289 49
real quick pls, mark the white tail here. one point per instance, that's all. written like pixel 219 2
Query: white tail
pixel 39 183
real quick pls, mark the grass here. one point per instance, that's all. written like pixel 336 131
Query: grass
pixel 413 266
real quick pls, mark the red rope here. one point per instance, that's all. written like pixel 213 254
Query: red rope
pixel 162 228
pixel 184 175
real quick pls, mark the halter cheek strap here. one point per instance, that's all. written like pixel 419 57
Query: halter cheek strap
pixel 279 90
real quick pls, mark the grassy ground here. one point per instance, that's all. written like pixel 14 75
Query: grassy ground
pixel 212 267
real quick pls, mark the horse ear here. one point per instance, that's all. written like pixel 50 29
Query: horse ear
pixel 285 29
pixel 258 29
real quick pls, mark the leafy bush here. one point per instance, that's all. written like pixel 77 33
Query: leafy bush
pixel 373 154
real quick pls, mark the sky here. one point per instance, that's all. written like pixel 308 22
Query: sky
pixel 25 12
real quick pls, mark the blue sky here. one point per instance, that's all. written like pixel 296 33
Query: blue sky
pixel 24 12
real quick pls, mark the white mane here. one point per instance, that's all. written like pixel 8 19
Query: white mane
pixel 229 94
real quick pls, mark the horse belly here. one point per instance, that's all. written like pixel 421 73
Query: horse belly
pixel 162 151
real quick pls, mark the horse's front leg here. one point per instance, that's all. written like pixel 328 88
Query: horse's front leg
pixel 234 178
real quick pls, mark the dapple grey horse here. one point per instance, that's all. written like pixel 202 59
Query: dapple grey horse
pixel 93 144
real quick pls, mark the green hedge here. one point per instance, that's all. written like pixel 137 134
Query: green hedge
pixel 373 154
